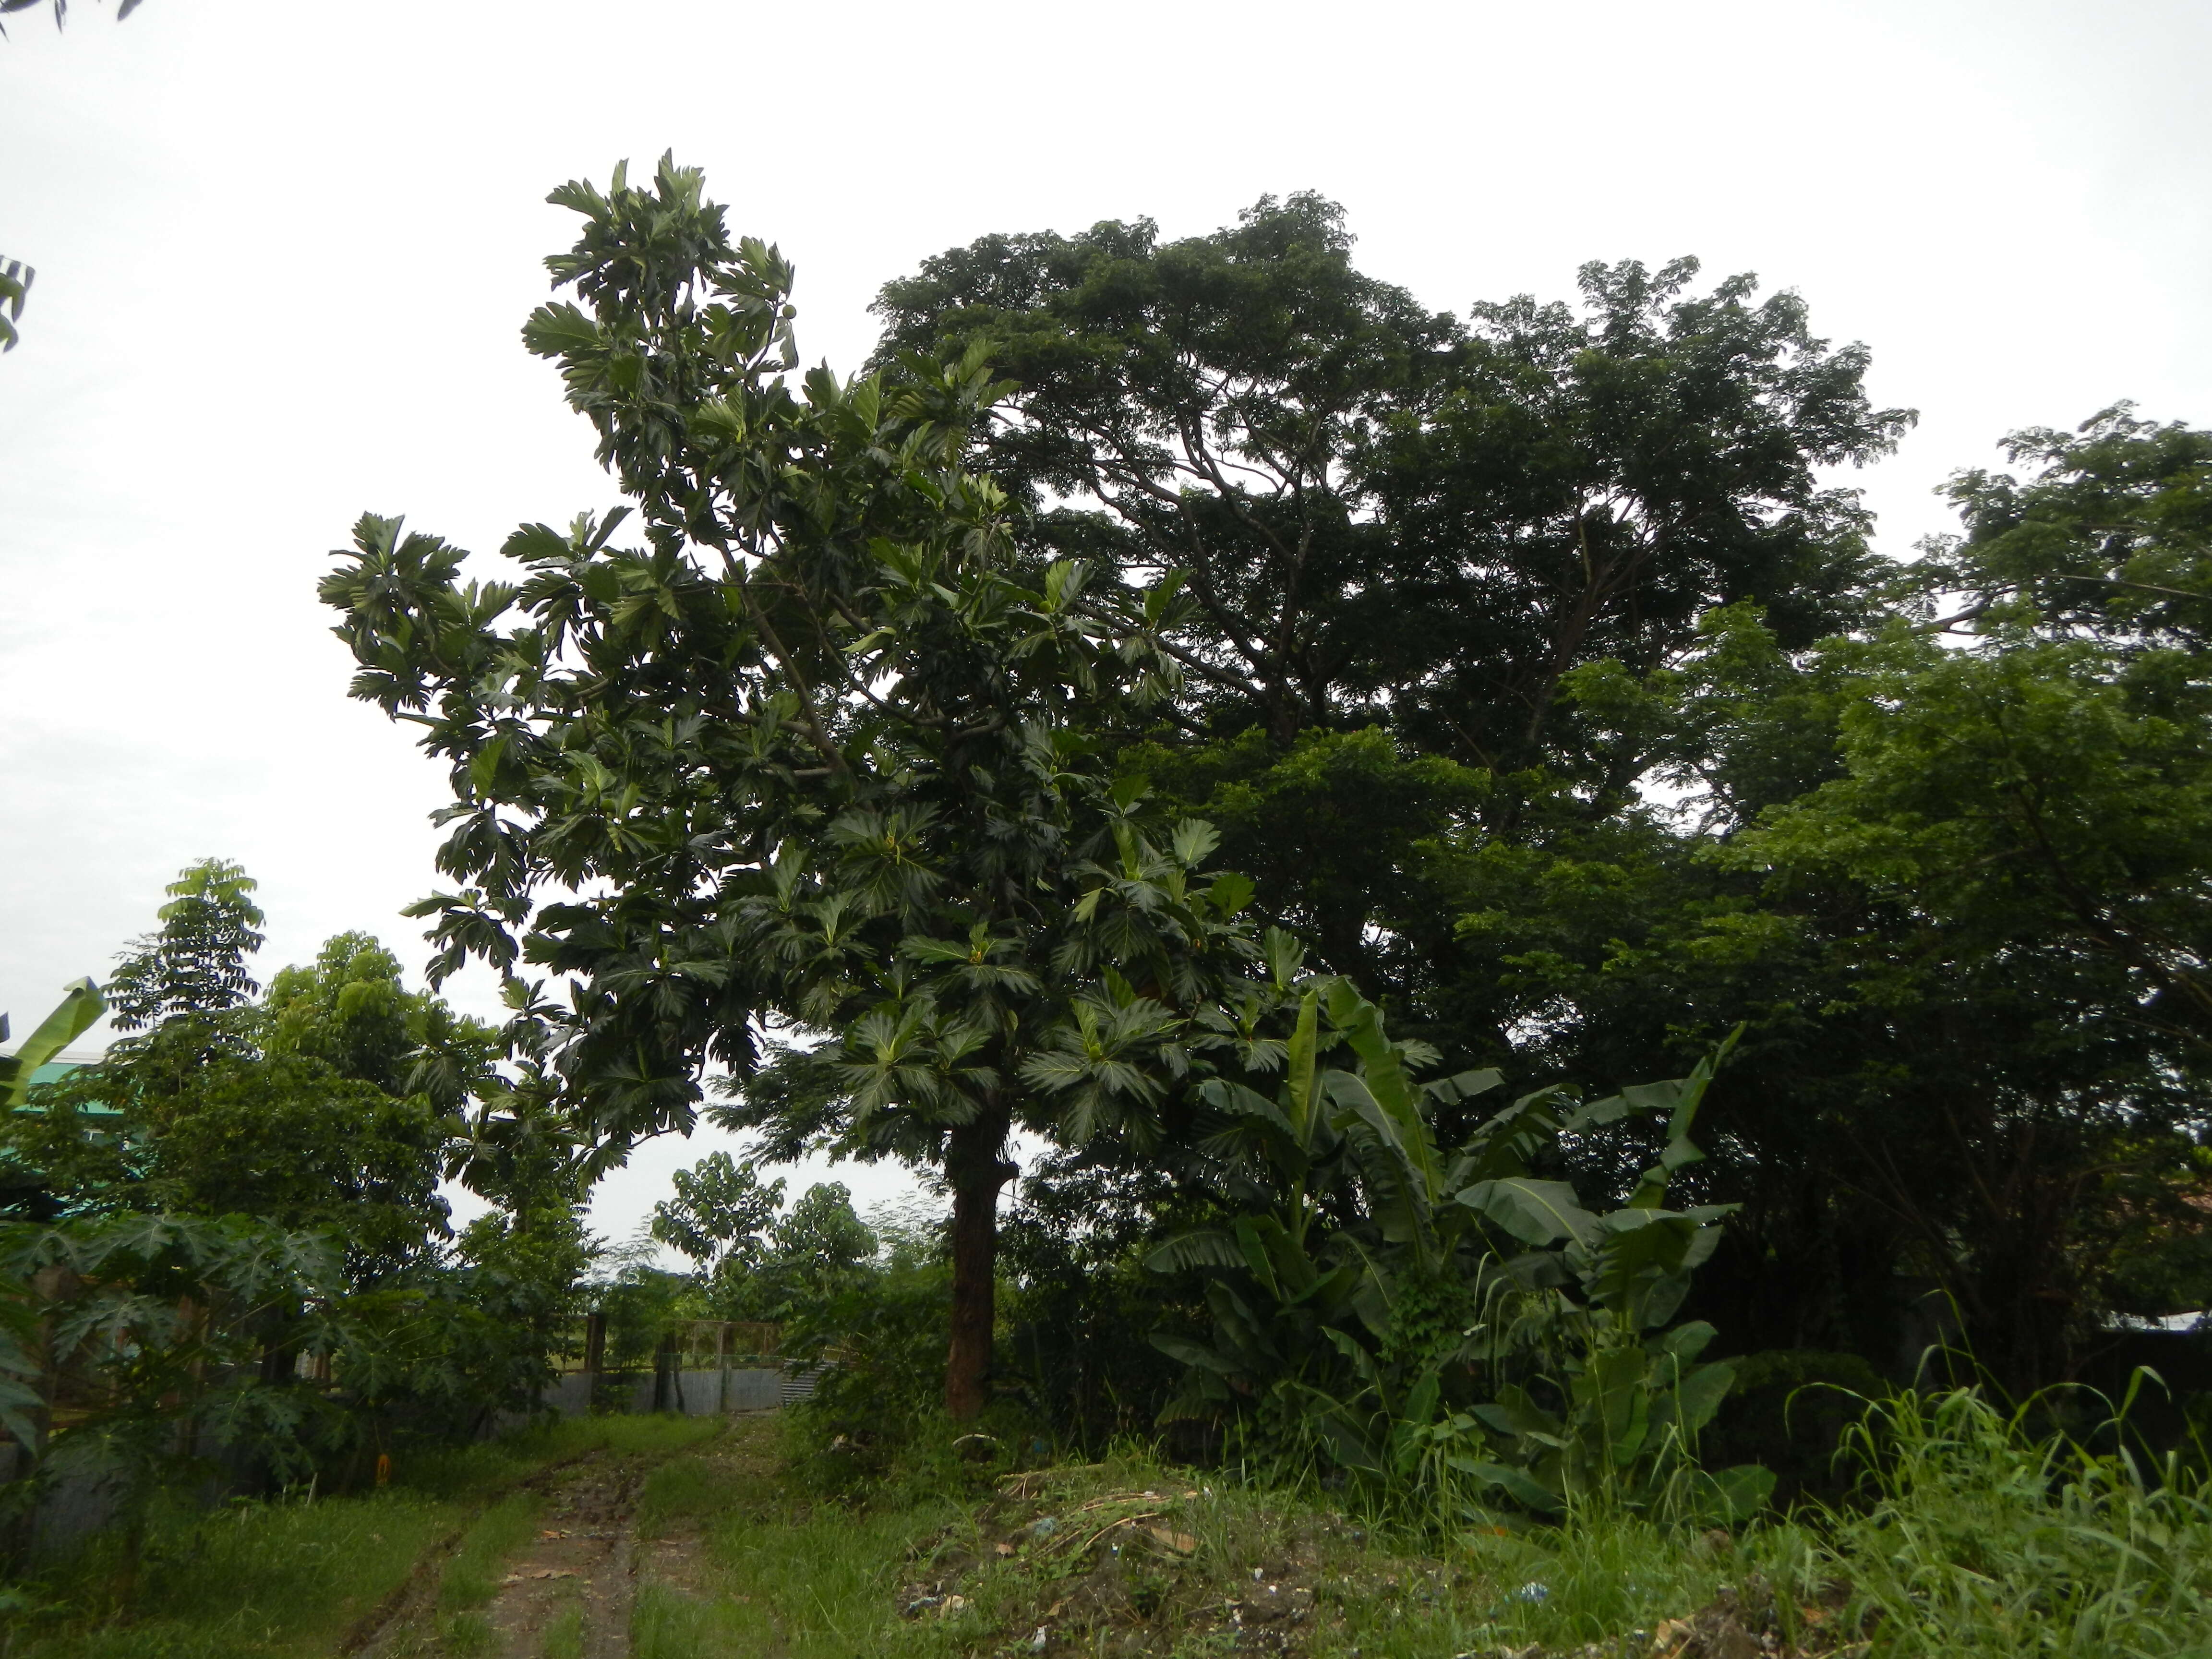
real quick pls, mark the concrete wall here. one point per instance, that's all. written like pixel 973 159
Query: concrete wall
pixel 689 1393
pixel 708 1393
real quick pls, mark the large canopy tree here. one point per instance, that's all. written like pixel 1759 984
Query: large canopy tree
pixel 2032 813
pixel 1394 518
pixel 821 753
pixel 1463 589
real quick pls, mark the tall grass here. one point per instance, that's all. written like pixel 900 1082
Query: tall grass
pixel 1973 1535
pixel 1983 1538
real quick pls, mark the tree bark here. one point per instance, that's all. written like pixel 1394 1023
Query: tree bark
pixel 975 1164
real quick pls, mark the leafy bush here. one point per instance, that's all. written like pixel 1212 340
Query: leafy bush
pixel 1790 1411
pixel 880 1342
pixel 170 1340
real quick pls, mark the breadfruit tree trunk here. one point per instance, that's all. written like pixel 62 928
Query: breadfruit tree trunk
pixel 975 1165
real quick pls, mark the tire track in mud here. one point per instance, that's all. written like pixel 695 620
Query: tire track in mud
pixel 578 1570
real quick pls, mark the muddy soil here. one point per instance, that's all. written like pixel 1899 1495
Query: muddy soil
pixel 578 1569
pixel 568 1590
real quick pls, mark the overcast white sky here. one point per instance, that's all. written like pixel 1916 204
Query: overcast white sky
pixel 283 251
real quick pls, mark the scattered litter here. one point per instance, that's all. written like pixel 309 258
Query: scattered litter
pixel 1005 1548
pixel 1181 1542
pixel 1534 1590
pixel 1037 1643
pixel 543 1573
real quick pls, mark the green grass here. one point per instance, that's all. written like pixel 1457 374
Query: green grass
pixel 1985 1541
pixel 564 1637
pixel 782 1572
pixel 667 1624
pixel 472 1575
pixel 263 1578
pixel 1974 1540
pixel 684 1490
pixel 290 1577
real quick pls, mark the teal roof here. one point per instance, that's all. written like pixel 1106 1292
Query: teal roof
pixel 53 1071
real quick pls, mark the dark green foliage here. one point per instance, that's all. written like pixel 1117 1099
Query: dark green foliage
pixel 1789 1411
pixel 1460 592
pixel 310 1127
pixel 1982 935
pixel 294 1111
pixel 884 1329
pixel 642 1305
pixel 1438 1322
pixel 278 1139
pixel 173 1339
pixel 1081 1306
pixel 815 1250
pixel 1394 518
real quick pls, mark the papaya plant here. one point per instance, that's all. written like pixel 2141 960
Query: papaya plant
pixel 1454 1323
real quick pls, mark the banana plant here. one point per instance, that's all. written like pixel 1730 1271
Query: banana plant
pixel 1371 1277
pixel 80 1006
pixel 1628 1396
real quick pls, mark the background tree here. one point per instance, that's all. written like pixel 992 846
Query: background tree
pixel 722 1213
pixel 2030 816
pixel 1957 893
pixel 195 968
pixel 295 1111
pixel 758 1260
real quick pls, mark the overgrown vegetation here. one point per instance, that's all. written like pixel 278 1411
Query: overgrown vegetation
pixel 1294 761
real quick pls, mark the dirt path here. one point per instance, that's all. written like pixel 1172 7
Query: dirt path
pixel 565 1593
pixel 571 1586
